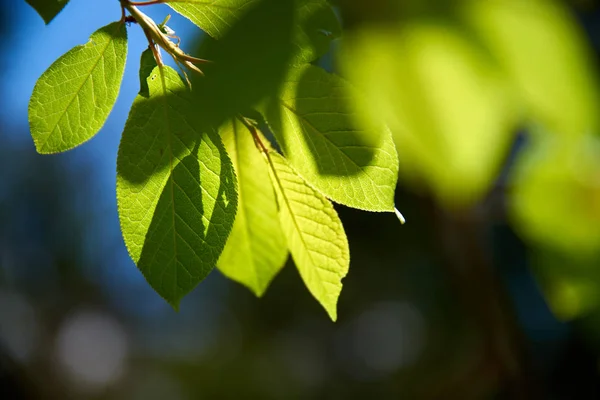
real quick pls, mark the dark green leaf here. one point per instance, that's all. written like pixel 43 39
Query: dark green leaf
pixel 249 62
pixel 48 9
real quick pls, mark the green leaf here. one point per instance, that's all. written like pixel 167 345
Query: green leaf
pixel 554 198
pixel 147 65
pixel 73 98
pixel 214 17
pixel 176 188
pixel 543 49
pixel 48 9
pixel 316 24
pixel 314 234
pixel 248 63
pixel 313 121
pixel 449 108
pixel 256 249
pixel 316 27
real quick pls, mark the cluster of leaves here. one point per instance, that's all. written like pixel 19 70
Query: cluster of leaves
pixel 456 81
pixel 198 183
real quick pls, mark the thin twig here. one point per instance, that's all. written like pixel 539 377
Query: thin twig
pixel 146 3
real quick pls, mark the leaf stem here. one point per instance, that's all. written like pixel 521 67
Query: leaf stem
pixel 158 38
pixel 261 146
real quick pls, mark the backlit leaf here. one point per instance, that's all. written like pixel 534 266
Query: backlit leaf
pixel 449 108
pixel 545 53
pixel 314 234
pixel 256 249
pixel 313 120
pixel 176 188
pixel 214 17
pixel 73 98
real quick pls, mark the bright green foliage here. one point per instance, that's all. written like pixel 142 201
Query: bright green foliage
pixel 176 188
pixel 48 9
pixel 544 53
pixel 73 98
pixel 214 17
pixel 450 112
pixel 312 119
pixel 256 249
pixel 314 234
pixel 198 185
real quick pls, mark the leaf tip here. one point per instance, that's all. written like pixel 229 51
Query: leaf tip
pixel 332 312
pixel 174 304
pixel 259 292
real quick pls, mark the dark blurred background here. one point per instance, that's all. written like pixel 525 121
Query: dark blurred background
pixel 458 303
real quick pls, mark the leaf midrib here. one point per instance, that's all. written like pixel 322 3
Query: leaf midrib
pixel 171 177
pixel 242 206
pixel 305 120
pixel 314 264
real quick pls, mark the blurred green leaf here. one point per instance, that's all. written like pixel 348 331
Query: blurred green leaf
pixel 555 196
pixel 176 188
pixel 312 121
pixel 314 234
pixel 48 9
pixel 73 98
pixel 571 285
pixel 448 108
pixel 543 50
pixel 256 249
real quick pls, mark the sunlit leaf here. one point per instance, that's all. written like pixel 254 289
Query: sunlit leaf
pixel 48 9
pixel 450 111
pixel 176 188
pixel 256 249
pixel 541 47
pixel 73 98
pixel 214 17
pixel 312 119
pixel 314 234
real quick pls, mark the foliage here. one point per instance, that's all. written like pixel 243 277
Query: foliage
pixel 434 92
pixel 491 94
pixel 198 183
